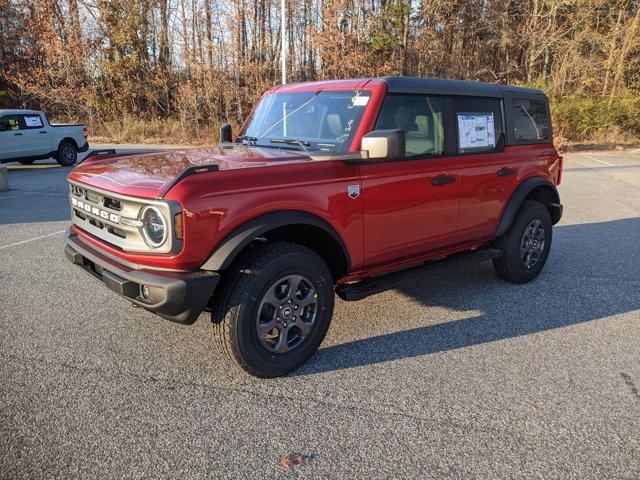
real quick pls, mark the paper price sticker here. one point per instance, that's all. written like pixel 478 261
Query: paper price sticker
pixel 476 130
pixel 359 101
pixel 33 121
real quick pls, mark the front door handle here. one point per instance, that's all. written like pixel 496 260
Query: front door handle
pixel 43 132
pixel 504 172
pixel 17 134
pixel 442 180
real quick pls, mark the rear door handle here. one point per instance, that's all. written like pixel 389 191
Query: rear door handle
pixel 43 132
pixel 442 180
pixel 17 134
pixel 504 172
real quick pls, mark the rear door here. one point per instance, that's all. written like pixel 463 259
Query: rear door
pixel 488 173
pixel 12 139
pixel 411 205
pixel 38 137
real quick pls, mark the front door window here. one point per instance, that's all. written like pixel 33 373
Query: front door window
pixel 421 119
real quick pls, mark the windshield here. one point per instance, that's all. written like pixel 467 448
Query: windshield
pixel 317 121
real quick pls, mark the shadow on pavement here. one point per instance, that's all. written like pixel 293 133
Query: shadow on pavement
pixel 583 281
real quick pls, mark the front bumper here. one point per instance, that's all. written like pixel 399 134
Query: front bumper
pixel 176 296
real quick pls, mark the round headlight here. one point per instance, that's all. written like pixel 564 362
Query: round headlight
pixel 154 227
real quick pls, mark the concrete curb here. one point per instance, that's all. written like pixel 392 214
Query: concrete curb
pixel 4 178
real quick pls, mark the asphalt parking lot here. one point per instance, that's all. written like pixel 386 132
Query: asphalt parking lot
pixel 462 376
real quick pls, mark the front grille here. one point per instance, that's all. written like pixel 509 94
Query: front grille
pixel 93 213
pixel 112 203
pixel 100 213
pixel 93 197
pixel 77 191
pixel 96 198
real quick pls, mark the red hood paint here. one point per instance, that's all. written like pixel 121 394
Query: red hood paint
pixel 147 175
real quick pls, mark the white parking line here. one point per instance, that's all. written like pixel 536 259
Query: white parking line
pixel 47 193
pixel 2 247
pixel 615 154
pixel 597 160
pixel 13 196
pixel 34 193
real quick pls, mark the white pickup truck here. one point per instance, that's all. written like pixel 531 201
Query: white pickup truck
pixel 27 136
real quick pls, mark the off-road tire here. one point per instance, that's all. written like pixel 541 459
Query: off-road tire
pixel 510 266
pixel 236 306
pixel 67 154
pixel 27 161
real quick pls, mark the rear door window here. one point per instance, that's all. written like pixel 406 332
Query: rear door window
pixel 421 117
pixel 32 121
pixel 530 120
pixel 479 124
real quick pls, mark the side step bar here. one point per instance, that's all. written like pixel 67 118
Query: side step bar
pixel 388 281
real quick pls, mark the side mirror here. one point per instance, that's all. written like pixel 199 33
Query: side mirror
pixel 225 133
pixel 384 144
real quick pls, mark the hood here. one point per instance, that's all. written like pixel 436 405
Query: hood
pixel 147 175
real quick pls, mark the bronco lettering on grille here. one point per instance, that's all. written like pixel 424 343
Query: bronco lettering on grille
pixel 98 212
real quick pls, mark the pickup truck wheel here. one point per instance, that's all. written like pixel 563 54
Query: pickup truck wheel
pixel 67 154
pixel 27 161
pixel 525 247
pixel 275 308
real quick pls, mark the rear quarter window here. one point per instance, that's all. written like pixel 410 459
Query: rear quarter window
pixel 530 120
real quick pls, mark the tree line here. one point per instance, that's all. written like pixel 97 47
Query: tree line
pixel 183 66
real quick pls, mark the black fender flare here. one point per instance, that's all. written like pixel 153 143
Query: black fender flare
pixel 67 139
pixel 238 239
pixel 519 195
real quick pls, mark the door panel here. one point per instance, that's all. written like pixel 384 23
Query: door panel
pixel 487 172
pixel 411 205
pixel 12 140
pixel 405 214
pixel 38 138
pixel 484 193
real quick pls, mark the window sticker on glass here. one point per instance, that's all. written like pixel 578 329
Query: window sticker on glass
pixel 359 101
pixel 476 130
pixel 33 121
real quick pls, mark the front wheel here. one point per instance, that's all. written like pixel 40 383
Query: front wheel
pixel 525 247
pixel 67 154
pixel 274 309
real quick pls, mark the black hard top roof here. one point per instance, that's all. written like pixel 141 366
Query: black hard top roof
pixel 440 86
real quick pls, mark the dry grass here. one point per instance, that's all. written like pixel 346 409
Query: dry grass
pixel 156 131
pixel 597 142
pixel 579 124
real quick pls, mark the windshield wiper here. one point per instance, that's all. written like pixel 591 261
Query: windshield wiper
pixel 251 140
pixel 292 141
pixel 272 126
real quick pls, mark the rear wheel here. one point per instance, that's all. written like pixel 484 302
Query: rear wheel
pixel 275 308
pixel 67 154
pixel 525 247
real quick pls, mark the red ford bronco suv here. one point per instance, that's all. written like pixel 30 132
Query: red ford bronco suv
pixel 349 186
